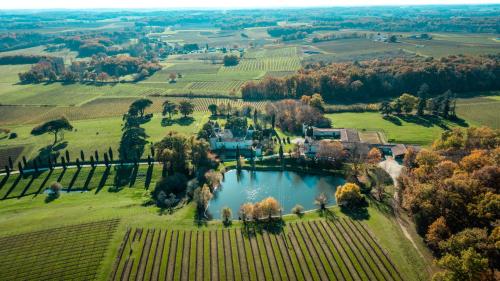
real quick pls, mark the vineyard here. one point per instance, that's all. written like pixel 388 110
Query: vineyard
pixel 105 107
pixel 216 85
pixel 314 250
pixel 65 253
pixel 265 64
pixel 12 152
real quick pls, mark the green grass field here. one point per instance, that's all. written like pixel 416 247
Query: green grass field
pixel 405 132
pixel 481 111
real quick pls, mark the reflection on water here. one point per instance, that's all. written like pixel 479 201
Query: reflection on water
pixel 289 188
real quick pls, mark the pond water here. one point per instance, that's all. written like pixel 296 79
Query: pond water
pixel 289 188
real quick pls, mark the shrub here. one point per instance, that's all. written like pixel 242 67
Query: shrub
pixel 298 210
pixel 175 184
pixel 54 191
pixel 226 215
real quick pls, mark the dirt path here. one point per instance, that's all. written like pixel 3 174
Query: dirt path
pixel 394 169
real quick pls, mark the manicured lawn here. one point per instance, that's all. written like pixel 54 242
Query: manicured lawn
pixel 100 134
pixel 410 133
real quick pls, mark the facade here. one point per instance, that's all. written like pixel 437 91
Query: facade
pixel 224 140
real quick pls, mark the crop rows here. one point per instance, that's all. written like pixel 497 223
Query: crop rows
pixel 273 53
pixel 65 253
pixel 12 152
pixel 266 64
pixel 315 250
pixel 224 86
pixel 111 107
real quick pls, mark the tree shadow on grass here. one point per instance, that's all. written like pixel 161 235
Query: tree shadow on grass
pixel 14 184
pixel 393 119
pixel 183 121
pixel 89 178
pixel 28 185
pixel 103 180
pixel 149 175
pixel 4 180
pixel 360 213
pixel 49 174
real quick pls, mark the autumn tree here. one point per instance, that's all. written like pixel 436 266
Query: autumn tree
pixel 437 232
pixel 374 156
pixel 226 214
pixel 349 195
pixel 54 127
pixel 201 197
pixel 321 201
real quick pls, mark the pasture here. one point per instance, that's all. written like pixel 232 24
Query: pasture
pixel 406 130
pixel 65 253
pixel 480 111
pixel 314 250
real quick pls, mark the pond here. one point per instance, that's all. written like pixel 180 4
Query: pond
pixel 289 188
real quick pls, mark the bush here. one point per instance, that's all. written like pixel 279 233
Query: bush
pixel 298 210
pixel 54 191
pixel 13 135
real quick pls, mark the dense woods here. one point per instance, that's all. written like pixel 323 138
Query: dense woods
pixel 452 192
pixel 375 79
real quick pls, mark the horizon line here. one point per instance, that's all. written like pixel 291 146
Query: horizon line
pixel 243 8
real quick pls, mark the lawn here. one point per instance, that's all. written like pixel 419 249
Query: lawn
pixel 104 133
pixel 405 132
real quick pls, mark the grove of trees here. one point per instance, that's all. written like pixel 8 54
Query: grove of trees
pixel 452 193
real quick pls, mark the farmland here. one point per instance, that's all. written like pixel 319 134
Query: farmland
pixel 69 252
pixel 315 250
pixel 480 110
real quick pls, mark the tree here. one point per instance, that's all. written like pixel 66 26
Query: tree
pixel 132 143
pixel 317 102
pixel 321 201
pixel 246 212
pixel 201 197
pixel 230 60
pixel 408 102
pixel 226 214
pixel 438 231
pixel 330 151
pixel 385 108
pixel 298 210
pixel 270 207
pixel 140 106
pixel 186 108
pixel 54 191
pixel 374 156
pixel 349 195
pixel 213 109
pixel 54 127
pixel 169 108
pixel 467 266
pixel 213 179
pixel 237 125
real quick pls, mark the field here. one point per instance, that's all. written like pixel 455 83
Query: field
pixel 86 179
pixel 480 111
pixel 315 250
pixel 64 253
pixel 419 132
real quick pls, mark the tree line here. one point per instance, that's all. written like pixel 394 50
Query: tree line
pixel 98 69
pixel 378 79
